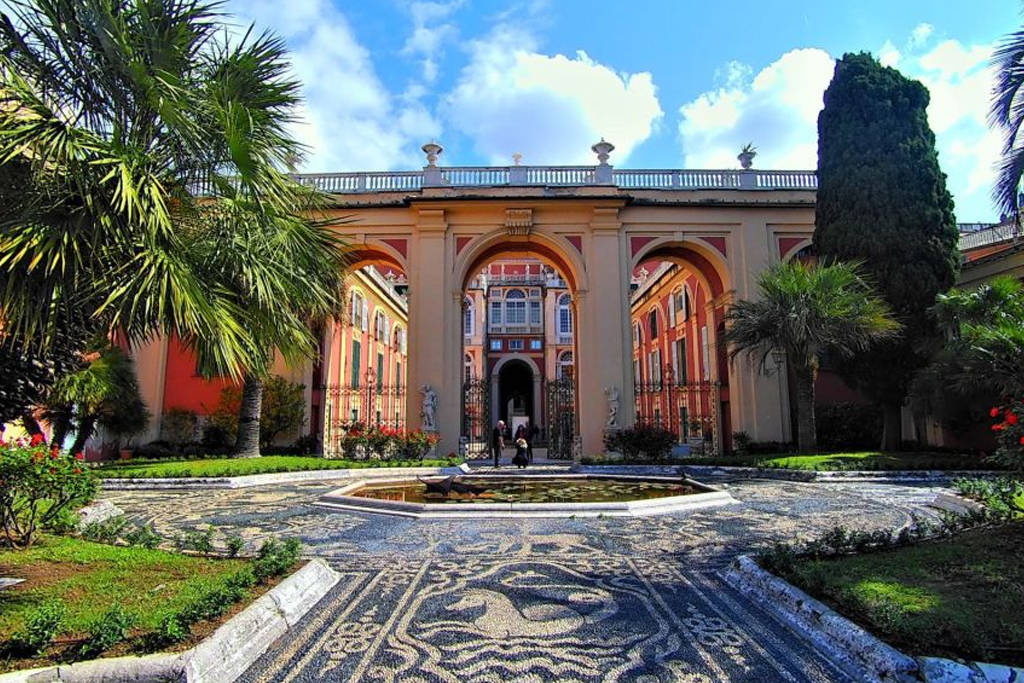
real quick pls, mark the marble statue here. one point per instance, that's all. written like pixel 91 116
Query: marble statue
pixel 613 408
pixel 429 407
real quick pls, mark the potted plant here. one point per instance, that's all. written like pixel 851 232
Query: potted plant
pixel 740 442
pixel 746 156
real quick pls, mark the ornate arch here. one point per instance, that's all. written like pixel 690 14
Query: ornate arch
pixel 550 248
pixel 706 263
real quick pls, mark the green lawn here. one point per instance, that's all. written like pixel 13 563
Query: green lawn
pixel 958 597
pixel 91 577
pixel 865 460
pixel 228 467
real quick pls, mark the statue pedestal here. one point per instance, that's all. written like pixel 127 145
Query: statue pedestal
pixel 611 431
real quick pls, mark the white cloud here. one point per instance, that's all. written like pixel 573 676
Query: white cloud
pixel 511 98
pixel 430 34
pixel 920 35
pixel 777 110
pixel 350 121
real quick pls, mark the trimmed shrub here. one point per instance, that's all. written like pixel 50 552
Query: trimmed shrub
pixel 274 558
pixel 106 632
pixel 641 442
pixel 40 628
pixel 848 426
pixel 37 485
pixel 234 545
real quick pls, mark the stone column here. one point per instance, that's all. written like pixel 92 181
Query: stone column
pixel 434 322
pixel 756 399
pixel 603 360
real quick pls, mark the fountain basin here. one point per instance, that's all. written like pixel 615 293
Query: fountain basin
pixel 562 495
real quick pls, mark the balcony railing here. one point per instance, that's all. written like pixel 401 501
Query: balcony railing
pixel 1003 232
pixel 558 176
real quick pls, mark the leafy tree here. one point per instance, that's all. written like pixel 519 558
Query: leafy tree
pixel 805 310
pixel 882 201
pixel 105 392
pixel 282 410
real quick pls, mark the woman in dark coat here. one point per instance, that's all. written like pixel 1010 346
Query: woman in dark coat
pixel 521 460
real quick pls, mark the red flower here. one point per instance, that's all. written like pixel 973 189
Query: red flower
pixel 998 427
pixel 78 470
pixel 1022 441
pixel 79 456
pixel 1011 419
pixel 994 412
pixel 53 454
pixel 53 470
pixel 37 439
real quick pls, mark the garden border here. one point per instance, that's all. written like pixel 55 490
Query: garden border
pixel 220 658
pixel 249 480
pixel 819 476
pixel 848 645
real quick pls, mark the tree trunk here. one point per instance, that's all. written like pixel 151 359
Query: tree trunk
pixel 86 426
pixel 807 428
pixel 892 432
pixel 28 421
pixel 60 426
pixel 247 443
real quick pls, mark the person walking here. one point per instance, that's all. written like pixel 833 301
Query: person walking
pixel 498 442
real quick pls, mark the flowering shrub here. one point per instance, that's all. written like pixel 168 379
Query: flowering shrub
pixel 37 484
pixel 385 443
pixel 1010 434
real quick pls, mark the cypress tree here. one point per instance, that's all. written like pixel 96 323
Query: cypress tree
pixel 882 200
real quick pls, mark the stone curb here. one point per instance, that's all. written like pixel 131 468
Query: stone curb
pixel 222 657
pixel 795 475
pixel 249 480
pixel 848 645
pixel 951 502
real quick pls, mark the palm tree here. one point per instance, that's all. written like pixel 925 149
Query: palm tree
pixel 136 121
pixel 154 196
pixel 1007 113
pixel 805 310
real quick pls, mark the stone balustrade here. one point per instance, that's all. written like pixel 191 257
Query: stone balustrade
pixel 558 176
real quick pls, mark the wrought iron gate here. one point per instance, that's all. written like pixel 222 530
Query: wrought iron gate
pixel 476 418
pixel 371 404
pixel 690 410
pixel 561 428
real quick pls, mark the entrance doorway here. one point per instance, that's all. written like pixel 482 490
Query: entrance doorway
pixel 516 404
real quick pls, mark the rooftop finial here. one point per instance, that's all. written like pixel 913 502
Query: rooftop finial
pixel 432 150
pixel 602 149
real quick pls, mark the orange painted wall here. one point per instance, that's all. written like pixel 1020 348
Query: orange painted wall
pixel 183 388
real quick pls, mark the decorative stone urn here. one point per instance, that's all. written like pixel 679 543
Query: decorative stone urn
pixel 746 157
pixel 432 150
pixel 602 149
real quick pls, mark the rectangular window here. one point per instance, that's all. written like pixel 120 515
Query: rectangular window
pixel 398 375
pixel 535 345
pixel 515 344
pixel 705 352
pixel 380 371
pixel 672 310
pixel 467 321
pixel 636 372
pixel 515 312
pixel 495 313
pixel 682 373
pixel 684 422
pixel 495 345
pixel 535 313
pixel 675 361
pixel 356 348
pixel 655 366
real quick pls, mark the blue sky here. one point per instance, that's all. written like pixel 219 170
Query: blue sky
pixel 673 84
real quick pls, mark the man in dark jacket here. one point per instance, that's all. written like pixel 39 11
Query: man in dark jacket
pixel 498 442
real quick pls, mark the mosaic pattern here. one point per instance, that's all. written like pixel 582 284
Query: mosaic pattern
pixel 573 621
pixel 579 600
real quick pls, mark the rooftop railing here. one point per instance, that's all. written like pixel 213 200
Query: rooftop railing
pixel 558 176
pixel 1003 232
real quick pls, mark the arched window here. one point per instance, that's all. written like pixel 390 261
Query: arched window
pixel 468 317
pixel 380 326
pixel 565 364
pixel 636 335
pixel 653 323
pixel 515 307
pixel 467 370
pixel 564 315
pixel 400 339
pixel 359 311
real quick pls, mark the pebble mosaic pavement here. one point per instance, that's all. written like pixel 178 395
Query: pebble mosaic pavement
pixel 530 600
